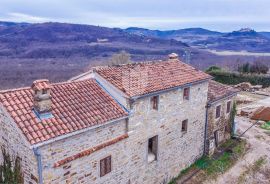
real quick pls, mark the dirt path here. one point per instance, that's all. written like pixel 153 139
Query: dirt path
pixel 259 147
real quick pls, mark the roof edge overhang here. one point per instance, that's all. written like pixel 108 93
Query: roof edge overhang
pixel 212 102
pixel 169 89
pixel 96 74
pixel 40 144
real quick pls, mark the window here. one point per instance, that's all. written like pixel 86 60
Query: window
pixel 44 91
pixel 184 125
pixel 186 93
pixel 218 109
pixel 105 166
pixel 152 149
pixel 154 102
pixel 228 107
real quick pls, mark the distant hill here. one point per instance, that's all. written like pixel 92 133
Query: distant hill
pixel 53 40
pixel 188 35
pixel 59 51
pixel 244 39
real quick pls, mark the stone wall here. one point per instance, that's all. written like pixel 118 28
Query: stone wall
pixel 86 168
pixel 12 139
pixel 218 124
pixel 176 150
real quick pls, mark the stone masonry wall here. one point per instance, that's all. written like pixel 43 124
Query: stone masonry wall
pixel 86 168
pixel 176 150
pixel 15 143
pixel 218 124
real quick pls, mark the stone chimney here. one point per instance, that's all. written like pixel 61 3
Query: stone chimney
pixel 173 56
pixel 42 96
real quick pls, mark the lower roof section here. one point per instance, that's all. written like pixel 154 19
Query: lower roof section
pixel 75 106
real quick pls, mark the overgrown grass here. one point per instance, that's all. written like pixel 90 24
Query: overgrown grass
pixel 266 126
pixel 251 170
pixel 213 167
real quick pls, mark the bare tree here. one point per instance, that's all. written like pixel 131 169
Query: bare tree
pixel 120 58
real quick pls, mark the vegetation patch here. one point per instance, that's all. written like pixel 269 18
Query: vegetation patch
pixel 211 167
pixel 233 78
pixel 251 170
pixel 266 126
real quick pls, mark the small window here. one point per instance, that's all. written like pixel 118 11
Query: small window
pixel 228 107
pixel 152 149
pixel 44 91
pixel 218 109
pixel 186 93
pixel 154 102
pixel 184 125
pixel 105 166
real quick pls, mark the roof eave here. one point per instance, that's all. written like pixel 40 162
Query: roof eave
pixel 169 89
pixel 211 102
pixel 76 132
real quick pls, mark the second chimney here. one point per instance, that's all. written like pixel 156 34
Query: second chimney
pixel 42 96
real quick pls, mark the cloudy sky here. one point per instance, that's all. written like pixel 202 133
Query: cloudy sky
pixel 221 15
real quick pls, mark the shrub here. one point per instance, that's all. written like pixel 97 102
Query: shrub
pixel 213 68
pixel 233 78
pixel 257 67
pixel 10 173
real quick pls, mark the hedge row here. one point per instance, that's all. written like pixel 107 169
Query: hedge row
pixel 236 78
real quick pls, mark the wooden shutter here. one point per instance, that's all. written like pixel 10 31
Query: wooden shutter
pixel 218 109
pixel 154 101
pixel 155 146
pixel 228 106
pixel 108 164
pixel 186 93
pixel 105 166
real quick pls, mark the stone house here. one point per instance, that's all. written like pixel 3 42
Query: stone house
pixel 134 123
pixel 219 106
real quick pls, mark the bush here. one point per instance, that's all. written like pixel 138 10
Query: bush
pixel 232 78
pixel 10 173
pixel 213 68
pixel 257 67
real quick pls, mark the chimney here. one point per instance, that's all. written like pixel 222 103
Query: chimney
pixel 42 98
pixel 173 56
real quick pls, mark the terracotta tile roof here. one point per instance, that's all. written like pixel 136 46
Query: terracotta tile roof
pixel 141 78
pixel 90 150
pixel 75 106
pixel 41 84
pixel 218 91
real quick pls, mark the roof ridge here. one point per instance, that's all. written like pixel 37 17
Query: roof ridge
pixel 53 84
pixel 136 63
pixel 14 89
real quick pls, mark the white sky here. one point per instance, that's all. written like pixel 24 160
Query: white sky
pixel 221 15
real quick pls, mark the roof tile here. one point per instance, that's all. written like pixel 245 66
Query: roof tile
pixel 218 91
pixel 137 79
pixel 75 105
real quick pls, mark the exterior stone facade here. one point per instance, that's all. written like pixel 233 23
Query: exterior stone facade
pixel 150 146
pixel 129 156
pixel 219 129
pixel 12 139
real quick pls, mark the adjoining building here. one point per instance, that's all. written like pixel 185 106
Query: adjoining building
pixel 134 123
pixel 219 110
